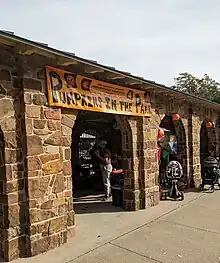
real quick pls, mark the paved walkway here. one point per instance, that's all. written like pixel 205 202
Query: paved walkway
pixel 187 231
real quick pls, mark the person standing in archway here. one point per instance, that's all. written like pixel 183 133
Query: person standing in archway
pixel 103 157
pixel 173 146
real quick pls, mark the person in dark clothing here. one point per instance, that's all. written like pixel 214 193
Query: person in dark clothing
pixel 102 156
pixel 115 162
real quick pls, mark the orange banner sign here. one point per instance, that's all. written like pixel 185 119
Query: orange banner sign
pixel 69 90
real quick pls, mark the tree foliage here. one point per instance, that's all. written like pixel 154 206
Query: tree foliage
pixel 204 87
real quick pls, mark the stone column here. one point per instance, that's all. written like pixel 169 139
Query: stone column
pixel 150 190
pixel 194 126
pixel 49 184
pixel 12 179
pixel 140 189
pixel 130 184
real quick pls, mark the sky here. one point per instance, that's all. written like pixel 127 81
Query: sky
pixel 155 39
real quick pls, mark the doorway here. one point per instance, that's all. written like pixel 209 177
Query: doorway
pixel 89 129
pixel 174 136
pixel 207 140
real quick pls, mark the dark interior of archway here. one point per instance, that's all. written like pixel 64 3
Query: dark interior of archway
pixel 176 128
pixel 88 129
pixel 167 123
pixel 207 142
pixel 204 148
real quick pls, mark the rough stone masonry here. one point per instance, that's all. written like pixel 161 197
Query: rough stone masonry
pixel 36 207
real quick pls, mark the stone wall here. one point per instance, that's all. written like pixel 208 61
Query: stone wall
pixel 12 174
pixel 192 117
pixel 49 171
pixel 36 208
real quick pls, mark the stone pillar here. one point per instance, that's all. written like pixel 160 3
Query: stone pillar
pixel 49 184
pixel 12 172
pixel 194 126
pixel 130 184
pixel 140 189
pixel 150 189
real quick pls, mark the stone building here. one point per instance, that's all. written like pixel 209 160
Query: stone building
pixel 36 127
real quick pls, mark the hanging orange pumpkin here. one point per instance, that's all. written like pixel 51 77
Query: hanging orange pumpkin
pixel 160 134
pixel 176 117
pixel 208 124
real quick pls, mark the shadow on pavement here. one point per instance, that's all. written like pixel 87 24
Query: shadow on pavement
pixel 96 207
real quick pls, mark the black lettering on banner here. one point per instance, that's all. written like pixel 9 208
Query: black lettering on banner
pixel 70 99
pixel 137 102
pixel 56 85
pixel 84 103
pixel 126 106
pixel 108 103
pixel 147 108
pixel 90 101
pixel 114 105
pixel 77 97
pixel 100 102
pixel 63 97
pixel 95 102
pixel 142 109
pixel 121 105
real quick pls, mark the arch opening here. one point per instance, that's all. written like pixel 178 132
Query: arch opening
pixel 208 141
pixel 89 129
pixel 174 142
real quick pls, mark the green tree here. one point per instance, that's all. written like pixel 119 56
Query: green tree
pixel 205 87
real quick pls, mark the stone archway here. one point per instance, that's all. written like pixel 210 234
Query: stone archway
pixel 207 140
pixel 126 150
pixel 176 127
pixel 127 161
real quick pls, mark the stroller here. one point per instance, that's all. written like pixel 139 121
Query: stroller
pixel 173 182
pixel 210 174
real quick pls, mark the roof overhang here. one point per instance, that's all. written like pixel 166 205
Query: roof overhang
pixel 28 47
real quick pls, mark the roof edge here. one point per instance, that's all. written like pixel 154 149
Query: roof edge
pixel 41 46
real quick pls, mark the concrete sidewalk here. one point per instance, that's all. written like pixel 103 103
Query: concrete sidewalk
pixel 187 231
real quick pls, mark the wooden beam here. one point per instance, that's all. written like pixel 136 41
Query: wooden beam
pixel 22 49
pixel 117 77
pixel 159 91
pixel 6 42
pixel 26 50
pixel 132 82
pixel 176 95
pixel 148 87
pixel 151 89
pixel 93 70
pixel 66 62
pixel 111 76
